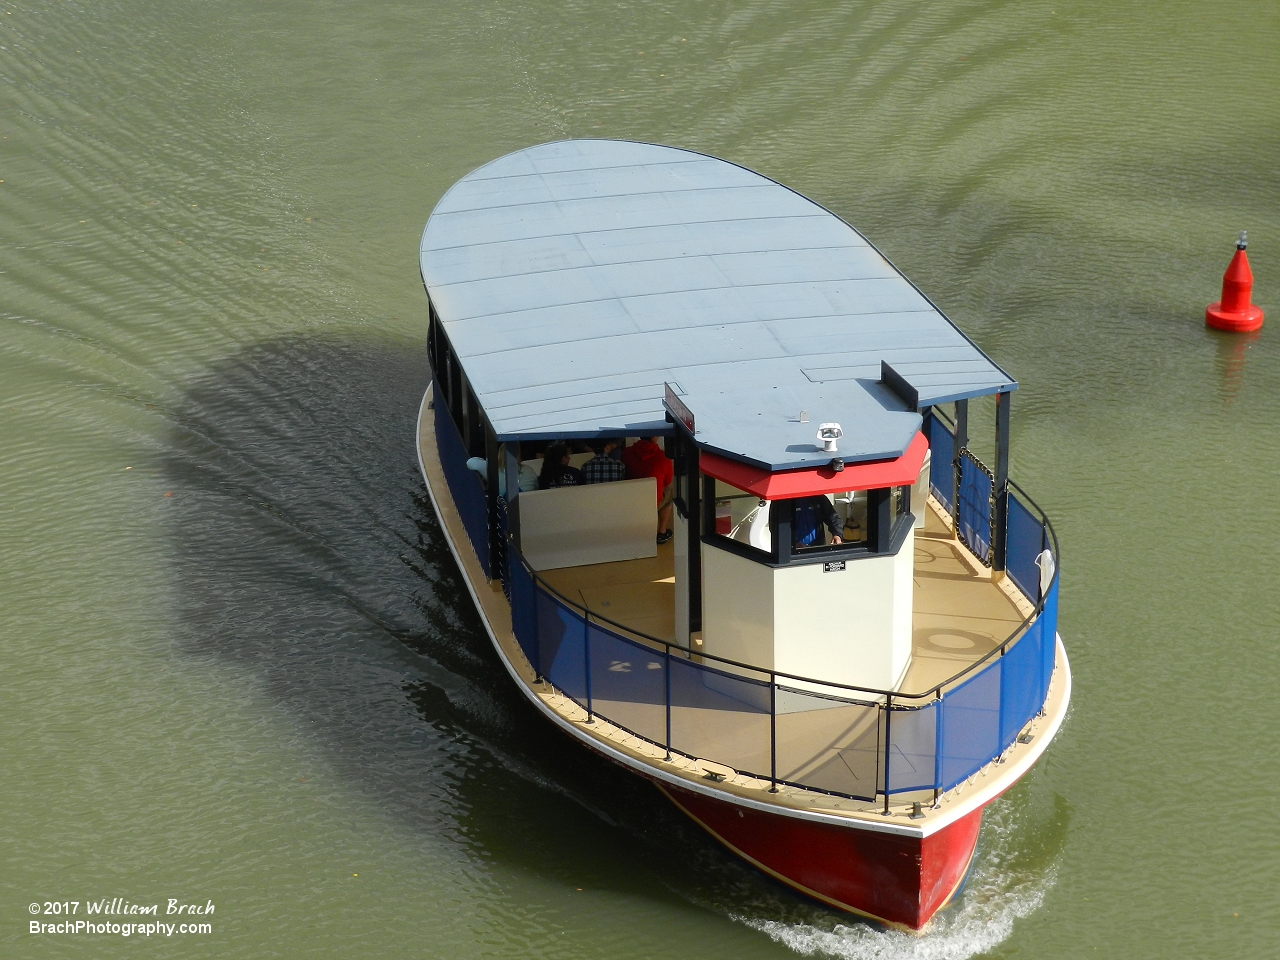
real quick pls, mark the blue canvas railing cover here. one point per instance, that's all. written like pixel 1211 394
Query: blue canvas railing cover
pixel 628 683
pixel 523 596
pixel 974 514
pixel 1023 544
pixel 942 446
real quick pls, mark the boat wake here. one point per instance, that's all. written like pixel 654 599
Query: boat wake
pixel 1003 887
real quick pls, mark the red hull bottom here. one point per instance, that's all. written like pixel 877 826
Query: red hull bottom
pixel 895 879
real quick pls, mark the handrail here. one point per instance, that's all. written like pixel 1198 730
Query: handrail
pixel 934 689
pixel 887 781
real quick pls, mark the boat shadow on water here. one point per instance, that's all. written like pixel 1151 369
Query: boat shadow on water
pixel 305 553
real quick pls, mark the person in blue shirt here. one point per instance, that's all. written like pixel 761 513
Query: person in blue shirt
pixel 812 514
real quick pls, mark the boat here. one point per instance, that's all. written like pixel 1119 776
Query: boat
pixel 847 647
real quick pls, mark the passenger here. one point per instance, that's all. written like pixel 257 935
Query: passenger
pixel 527 478
pixel 812 514
pixel 604 466
pixel 644 458
pixel 481 468
pixel 556 471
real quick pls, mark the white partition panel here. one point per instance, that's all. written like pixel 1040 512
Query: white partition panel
pixel 593 523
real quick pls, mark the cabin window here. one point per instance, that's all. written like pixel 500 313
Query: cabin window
pixel 475 425
pixel 453 390
pixel 899 504
pixel 888 517
pixel 816 526
pixel 736 519
pixel 433 337
pixel 804 529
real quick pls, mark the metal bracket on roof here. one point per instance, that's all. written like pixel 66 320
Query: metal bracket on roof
pixel 675 406
pixel 896 382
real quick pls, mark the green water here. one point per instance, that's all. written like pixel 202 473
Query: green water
pixel 237 663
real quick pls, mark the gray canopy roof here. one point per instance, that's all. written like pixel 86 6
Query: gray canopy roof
pixel 573 279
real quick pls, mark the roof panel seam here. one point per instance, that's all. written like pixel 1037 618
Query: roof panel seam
pixel 627 263
pixel 669 293
pixel 473 178
pixel 720 324
pixel 817 215
pixel 600 196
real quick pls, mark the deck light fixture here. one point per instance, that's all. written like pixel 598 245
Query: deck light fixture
pixel 837 465
pixel 829 433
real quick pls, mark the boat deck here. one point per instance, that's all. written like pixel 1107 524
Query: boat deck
pixel 960 613
pixel 639 595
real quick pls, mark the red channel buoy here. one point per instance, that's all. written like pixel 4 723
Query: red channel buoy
pixel 1235 312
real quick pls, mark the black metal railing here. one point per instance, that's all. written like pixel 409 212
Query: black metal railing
pixel 877 743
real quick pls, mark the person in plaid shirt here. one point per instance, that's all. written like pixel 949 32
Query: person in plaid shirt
pixel 603 467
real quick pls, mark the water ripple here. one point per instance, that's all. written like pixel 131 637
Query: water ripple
pixel 1005 885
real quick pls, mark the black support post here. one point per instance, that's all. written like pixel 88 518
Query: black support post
pixel 497 549
pixel 962 441
pixel 879 522
pixel 586 662
pixel 888 712
pixel 782 516
pixel 694 539
pixel 468 418
pixel 1000 517
pixel 511 468
pixel 455 389
pixel 666 683
pixel 476 424
pixel 432 325
pixel 708 505
pixel 773 733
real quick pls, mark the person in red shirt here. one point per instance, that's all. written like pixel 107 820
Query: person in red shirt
pixel 644 458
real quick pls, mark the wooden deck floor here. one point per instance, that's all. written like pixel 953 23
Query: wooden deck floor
pixel 960 613
pixel 638 594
